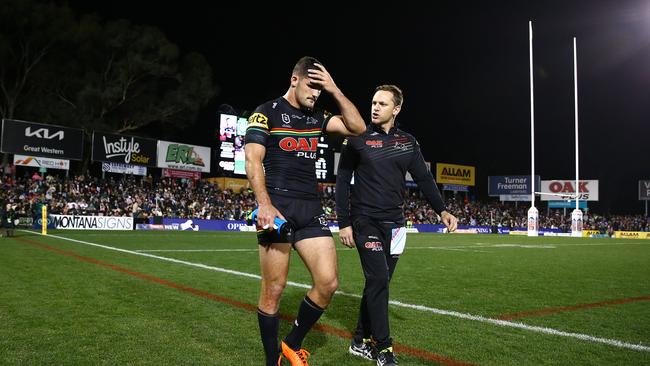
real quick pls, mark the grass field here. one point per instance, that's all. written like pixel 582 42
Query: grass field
pixel 188 298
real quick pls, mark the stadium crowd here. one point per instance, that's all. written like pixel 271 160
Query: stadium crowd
pixel 144 197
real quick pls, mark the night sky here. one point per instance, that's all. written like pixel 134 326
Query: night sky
pixel 463 68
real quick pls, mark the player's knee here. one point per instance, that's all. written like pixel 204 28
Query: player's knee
pixel 274 289
pixel 328 287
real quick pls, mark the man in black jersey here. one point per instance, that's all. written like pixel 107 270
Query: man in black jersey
pixel 281 152
pixel 371 216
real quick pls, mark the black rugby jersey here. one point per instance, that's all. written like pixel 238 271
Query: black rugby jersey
pixel 291 137
pixel 380 161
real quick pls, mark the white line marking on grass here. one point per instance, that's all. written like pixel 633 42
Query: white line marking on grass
pixel 527 246
pixel 194 250
pixel 629 242
pixel 503 323
pixel 458 249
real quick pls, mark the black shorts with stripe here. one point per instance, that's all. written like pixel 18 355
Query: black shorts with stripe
pixel 305 217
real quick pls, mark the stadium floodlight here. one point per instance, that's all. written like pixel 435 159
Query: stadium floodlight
pixel 576 215
pixel 533 214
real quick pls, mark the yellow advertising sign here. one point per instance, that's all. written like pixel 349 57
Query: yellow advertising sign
pixel 589 233
pixel 632 234
pixel 455 174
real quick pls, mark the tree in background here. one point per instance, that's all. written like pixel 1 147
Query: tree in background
pixel 29 33
pixel 109 76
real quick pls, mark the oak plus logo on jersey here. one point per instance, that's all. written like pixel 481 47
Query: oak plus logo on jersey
pixel 44 133
pixel 305 147
pixel 375 144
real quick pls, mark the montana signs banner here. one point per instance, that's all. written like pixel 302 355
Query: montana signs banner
pixel 68 222
pixel 37 139
pixel 173 155
pixel 123 149
pixel 37 162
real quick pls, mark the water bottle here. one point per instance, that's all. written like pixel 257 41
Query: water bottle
pixel 280 225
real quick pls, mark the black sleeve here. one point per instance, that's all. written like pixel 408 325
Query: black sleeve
pixel 326 119
pixel 424 180
pixel 347 164
pixel 258 128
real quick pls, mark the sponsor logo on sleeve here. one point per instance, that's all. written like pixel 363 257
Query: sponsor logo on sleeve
pixel 258 119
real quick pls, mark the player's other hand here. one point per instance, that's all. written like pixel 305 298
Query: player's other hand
pixel 449 220
pixel 266 214
pixel 346 236
pixel 322 79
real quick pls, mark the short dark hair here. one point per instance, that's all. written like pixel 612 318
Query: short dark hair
pixel 304 64
pixel 398 96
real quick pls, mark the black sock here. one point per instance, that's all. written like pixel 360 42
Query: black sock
pixel 308 315
pixel 269 328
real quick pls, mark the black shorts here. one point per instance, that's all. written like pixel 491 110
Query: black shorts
pixel 305 217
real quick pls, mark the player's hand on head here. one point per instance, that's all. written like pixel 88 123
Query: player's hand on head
pixel 450 221
pixel 266 214
pixel 321 78
pixel 346 236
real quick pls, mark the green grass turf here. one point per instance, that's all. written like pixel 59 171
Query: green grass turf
pixel 59 310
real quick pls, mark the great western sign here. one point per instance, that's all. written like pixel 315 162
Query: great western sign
pixel 41 140
pixel 123 149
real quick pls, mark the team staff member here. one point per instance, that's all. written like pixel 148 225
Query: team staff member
pixel 281 148
pixel 371 216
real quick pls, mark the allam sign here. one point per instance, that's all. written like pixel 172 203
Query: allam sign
pixel 123 149
pixel 43 140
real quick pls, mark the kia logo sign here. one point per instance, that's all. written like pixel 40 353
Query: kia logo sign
pixel 44 133
pixel 41 140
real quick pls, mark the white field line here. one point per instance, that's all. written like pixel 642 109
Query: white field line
pixel 503 323
pixel 628 242
pixel 193 250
